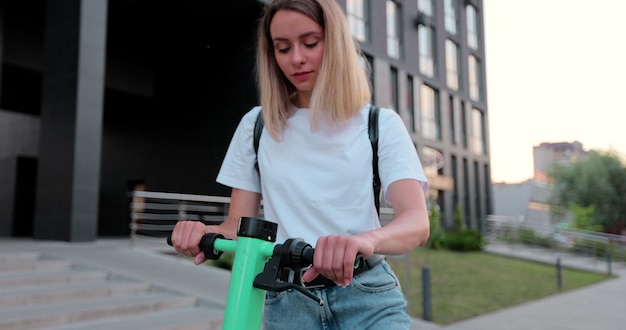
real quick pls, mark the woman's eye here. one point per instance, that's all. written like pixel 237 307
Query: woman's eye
pixel 311 45
pixel 283 50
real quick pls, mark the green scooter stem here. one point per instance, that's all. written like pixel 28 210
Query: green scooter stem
pixel 251 254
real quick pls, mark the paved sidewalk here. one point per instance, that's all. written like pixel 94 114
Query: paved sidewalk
pixel 599 306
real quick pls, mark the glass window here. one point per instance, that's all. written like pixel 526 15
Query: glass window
pixel 357 12
pixel 487 183
pixel 409 102
pixel 452 65
pixel 430 113
pixel 394 89
pixel 455 181
pixel 472 27
pixel 463 135
pixel 427 57
pixel 474 71
pixel 466 193
pixel 367 63
pixel 394 29
pixel 478 141
pixel 453 118
pixel 477 202
pixel 450 12
pixel 427 7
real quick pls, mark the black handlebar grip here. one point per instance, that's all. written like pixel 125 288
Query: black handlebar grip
pixel 307 257
pixel 206 245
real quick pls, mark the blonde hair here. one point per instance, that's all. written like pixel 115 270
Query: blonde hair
pixel 342 85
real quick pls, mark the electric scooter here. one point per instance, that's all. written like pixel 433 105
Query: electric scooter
pixel 257 266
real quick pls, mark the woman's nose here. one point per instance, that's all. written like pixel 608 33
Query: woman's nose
pixel 297 57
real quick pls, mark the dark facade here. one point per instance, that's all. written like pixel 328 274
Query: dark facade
pixel 104 94
pixel 97 96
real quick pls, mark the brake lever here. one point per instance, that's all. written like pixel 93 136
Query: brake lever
pixel 268 280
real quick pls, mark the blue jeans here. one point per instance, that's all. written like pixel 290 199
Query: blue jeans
pixel 373 300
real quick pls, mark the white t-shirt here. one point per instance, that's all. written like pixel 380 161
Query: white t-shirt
pixel 317 183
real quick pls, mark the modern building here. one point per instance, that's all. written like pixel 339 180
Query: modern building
pixel 100 96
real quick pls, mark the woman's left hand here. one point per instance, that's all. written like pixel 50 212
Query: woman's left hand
pixel 335 256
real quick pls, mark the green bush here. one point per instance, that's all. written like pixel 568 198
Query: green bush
pixel 594 248
pixel 543 241
pixel 464 240
pixel 436 239
pixel 225 261
pixel 506 233
pixel 527 236
pixel 602 249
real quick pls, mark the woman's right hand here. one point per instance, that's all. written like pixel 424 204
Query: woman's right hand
pixel 187 234
pixel 186 237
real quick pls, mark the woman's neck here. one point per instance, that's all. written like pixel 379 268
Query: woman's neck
pixel 302 100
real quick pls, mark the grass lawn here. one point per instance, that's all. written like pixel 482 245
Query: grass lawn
pixel 468 284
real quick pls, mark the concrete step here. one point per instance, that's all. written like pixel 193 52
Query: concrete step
pixel 37 294
pixel 187 318
pixel 18 255
pixel 64 313
pixel 15 279
pixel 33 265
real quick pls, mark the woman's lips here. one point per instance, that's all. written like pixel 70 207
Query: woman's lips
pixel 301 75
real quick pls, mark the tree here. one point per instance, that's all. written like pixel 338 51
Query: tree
pixel 459 223
pixel 598 181
pixel 583 217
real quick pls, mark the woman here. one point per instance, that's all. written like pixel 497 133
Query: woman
pixel 315 163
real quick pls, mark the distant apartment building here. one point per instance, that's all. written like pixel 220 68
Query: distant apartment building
pixel 529 201
pixel 99 96
pixel 546 155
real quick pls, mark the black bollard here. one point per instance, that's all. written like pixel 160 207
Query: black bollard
pixel 559 278
pixel 428 315
pixel 608 260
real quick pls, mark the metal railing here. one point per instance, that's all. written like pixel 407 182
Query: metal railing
pixel 154 214
pixel 597 247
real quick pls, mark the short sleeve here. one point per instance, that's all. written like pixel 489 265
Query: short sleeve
pixel 397 154
pixel 237 170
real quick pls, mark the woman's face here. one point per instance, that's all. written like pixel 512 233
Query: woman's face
pixel 299 49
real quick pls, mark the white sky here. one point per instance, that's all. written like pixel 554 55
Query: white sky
pixel 556 72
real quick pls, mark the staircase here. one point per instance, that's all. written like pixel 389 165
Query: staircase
pixel 42 292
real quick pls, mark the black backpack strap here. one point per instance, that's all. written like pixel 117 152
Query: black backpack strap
pixel 373 133
pixel 258 129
